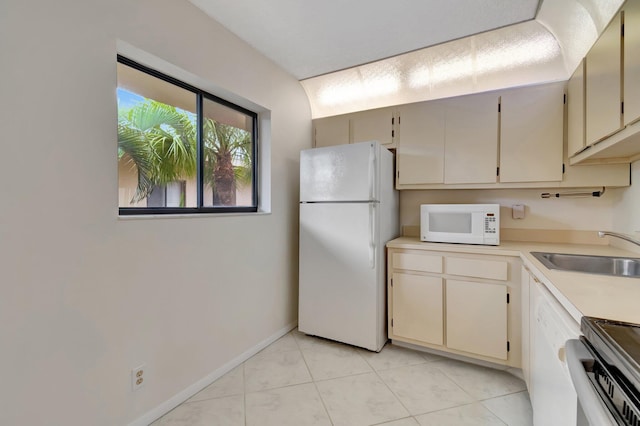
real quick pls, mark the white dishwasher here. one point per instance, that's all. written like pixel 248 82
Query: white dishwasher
pixel 552 394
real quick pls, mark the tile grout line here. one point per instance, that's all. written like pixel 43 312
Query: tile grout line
pixel 315 385
pixel 477 399
pixel 496 414
pixel 480 401
pixel 391 390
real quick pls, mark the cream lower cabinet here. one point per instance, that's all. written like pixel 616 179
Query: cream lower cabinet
pixel 417 302
pixel 477 318
pixel 466 304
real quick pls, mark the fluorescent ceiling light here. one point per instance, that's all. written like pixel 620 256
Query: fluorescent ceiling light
pixel 505 57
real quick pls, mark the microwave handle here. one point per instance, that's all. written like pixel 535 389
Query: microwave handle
pixel 594 409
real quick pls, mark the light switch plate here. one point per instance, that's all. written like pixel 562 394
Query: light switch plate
pixel 517 211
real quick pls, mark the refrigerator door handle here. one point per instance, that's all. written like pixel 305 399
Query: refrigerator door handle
pixel 372 235
pixel 372 175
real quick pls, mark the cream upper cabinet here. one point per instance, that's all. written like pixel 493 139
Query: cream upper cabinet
pixel 477 318
pixel 575 111
pixel 631 61
pixel 420 151
pixel 331 131
pixel 418 308
pixel 471 139
pixel 603 78
pixel 374 124
pixel 531 133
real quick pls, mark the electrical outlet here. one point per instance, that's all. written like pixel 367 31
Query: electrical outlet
pixel 137 377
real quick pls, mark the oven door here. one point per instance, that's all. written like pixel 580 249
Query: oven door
pixel 592 407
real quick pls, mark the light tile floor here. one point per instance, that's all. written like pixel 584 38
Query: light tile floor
pixel 301 380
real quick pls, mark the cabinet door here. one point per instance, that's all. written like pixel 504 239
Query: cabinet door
pixel 631 61
pixel 531 137
pixel 526 321
pixel 477 318
pixel 331 131
pixel 471 139
pixel 575 111
pixel 373 125
pixel 420 151
pixel 603 84
pixel 417 308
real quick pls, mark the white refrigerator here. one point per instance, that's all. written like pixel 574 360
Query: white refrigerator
pixel 348 212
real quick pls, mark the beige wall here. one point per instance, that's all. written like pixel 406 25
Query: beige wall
pixel 583 214
pixel 86 296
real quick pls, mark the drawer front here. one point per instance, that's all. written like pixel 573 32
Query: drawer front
pixel 477 268
pixel 417 262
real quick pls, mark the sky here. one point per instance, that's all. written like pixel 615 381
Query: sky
pixel 127 99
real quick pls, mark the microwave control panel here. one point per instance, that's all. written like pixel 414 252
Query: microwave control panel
pixel 490 223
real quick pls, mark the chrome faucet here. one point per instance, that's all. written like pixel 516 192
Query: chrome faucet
pixel 625 237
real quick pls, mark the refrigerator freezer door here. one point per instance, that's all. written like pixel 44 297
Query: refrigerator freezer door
pixel 339 173
pixel 339 273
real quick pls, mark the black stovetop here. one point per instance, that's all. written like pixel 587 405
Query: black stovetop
pixel 618 343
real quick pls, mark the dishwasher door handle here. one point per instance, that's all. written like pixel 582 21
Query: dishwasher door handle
pixel 592 405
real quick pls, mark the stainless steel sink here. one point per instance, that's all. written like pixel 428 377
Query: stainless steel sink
pixel 603 265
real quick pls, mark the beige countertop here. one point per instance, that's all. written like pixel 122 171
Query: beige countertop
pixel 602 296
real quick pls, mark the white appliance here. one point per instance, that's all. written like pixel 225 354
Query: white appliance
pixel 460 223
pixel 348 211
pixel 553 396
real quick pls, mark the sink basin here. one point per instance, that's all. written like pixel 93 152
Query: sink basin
pixel 603 265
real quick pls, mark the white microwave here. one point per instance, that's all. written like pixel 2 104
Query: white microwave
pixel 460 223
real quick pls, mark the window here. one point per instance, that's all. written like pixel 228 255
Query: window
pixel 181 149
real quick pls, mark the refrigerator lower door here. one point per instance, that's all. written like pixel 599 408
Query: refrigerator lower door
pixel 341 284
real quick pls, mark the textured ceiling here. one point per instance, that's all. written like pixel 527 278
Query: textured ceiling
pixel 309 38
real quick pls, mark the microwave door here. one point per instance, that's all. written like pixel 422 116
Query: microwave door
pixel 454 227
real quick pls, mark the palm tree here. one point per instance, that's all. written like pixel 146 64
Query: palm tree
pixel 159 141
pixel 227 160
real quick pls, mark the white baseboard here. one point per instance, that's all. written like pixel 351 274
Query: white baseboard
pixel 182 396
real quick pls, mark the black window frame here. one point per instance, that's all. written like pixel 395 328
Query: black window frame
pixel 200 96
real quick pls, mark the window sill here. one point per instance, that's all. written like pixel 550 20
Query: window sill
pixel 189 216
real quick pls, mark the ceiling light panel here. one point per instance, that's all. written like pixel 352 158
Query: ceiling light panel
pixel 521 54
